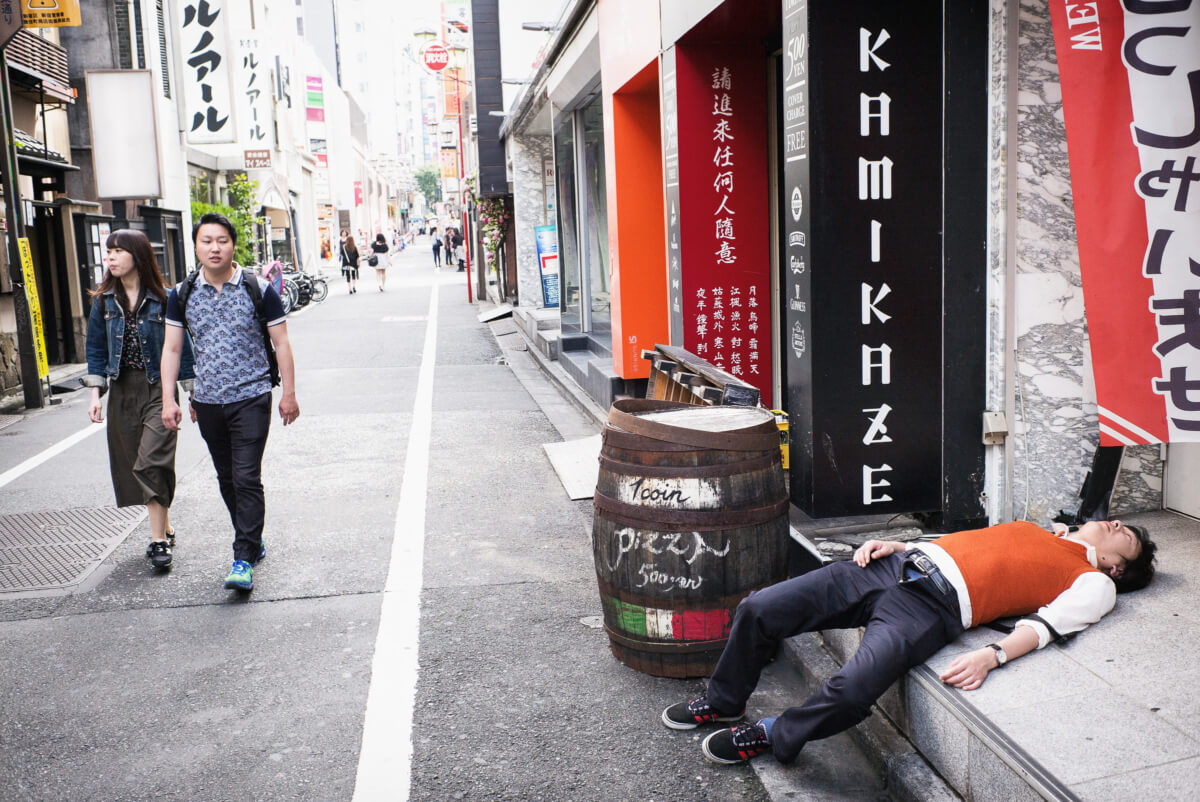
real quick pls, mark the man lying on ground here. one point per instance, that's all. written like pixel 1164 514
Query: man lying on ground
pixel 913 599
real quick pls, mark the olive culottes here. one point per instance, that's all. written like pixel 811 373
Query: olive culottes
pixel 141 451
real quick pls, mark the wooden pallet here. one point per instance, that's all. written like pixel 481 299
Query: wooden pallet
pixel 679 375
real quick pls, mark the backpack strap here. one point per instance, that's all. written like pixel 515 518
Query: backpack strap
pixel 1055 637
pixel 182 293
pixel 250 282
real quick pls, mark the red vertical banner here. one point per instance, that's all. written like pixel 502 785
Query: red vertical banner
pixel 1131 100
pixel 723 212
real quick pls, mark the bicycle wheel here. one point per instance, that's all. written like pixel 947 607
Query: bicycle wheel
pixel 288 296
pixel 320 290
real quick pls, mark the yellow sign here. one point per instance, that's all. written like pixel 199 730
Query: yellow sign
pixel 50 13
pixel 35 308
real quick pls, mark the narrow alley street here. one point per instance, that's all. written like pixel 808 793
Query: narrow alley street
pixel 140 686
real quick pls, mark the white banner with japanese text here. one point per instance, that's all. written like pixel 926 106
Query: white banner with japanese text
pixel 207 77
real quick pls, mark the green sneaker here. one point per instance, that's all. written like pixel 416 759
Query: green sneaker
pixel 241 576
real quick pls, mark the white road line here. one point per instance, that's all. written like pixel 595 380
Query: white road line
pixel 385 762
pixel 51 452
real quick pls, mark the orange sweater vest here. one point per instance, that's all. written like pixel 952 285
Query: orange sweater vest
pixel 1015 568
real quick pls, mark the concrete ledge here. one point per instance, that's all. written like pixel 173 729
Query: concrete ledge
pixel 909 775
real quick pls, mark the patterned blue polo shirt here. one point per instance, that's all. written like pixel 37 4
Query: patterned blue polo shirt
pixel 231 357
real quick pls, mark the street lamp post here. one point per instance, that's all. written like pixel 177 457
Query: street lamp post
pixel 462 206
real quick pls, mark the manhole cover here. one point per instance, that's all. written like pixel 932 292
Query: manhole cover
pixel 57 550
pixel 8 420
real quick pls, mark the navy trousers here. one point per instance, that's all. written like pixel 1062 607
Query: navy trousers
pixel 236 435
pixel 905 625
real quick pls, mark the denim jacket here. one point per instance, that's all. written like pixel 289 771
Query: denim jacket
pixel 105 335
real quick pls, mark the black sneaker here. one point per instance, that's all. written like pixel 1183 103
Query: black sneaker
pixel 692 713
pixel 171 538
pixel 159 553
pixel 736 745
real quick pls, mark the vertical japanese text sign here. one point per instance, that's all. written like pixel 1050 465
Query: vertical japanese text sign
pixel 865 348
pixel 1131 98
pixel 204 45
pixel 254 93
pixel 721 90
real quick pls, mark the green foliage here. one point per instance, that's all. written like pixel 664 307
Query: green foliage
pixel 493 218
pixel 239 211
pixel 429 181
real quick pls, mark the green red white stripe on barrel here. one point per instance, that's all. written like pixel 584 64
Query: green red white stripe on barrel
pixel 658 624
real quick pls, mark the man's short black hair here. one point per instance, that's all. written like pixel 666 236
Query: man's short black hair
pixel 1139 572
pixel 217 219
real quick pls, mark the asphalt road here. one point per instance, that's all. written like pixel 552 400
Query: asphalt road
pixel 145 686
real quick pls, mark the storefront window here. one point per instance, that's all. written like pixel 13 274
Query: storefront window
pixel 595 207
pixel 568 256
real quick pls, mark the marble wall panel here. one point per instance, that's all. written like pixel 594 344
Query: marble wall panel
pixel 1055 431
pixel 527 153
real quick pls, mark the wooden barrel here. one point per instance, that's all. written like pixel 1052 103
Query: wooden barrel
pixel 691 514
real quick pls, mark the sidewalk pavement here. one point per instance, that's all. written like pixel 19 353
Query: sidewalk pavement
pixel 1110 715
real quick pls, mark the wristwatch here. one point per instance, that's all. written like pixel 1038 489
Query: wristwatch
pixel 1001 657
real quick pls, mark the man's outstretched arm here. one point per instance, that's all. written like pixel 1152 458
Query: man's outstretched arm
pixel 968 671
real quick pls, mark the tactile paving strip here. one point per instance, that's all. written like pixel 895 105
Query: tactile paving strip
pixel 8 420
pixel 58 550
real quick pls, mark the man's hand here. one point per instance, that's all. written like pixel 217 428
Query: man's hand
pixel 968 671
pixel 874 549
pixel 172 415
pixel 289 409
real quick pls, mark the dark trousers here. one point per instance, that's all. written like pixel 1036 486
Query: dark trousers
pixel 905 625
pixel 437 257
pixel 236 435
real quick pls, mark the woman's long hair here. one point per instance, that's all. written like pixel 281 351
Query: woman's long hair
pixel 351 248
pixel 136 245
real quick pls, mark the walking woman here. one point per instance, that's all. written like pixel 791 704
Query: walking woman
pixel 379 250
pixel 124 348
pixel 437 248
pixel 350 262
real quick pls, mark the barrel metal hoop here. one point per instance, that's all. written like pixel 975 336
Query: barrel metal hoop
pixel 628 441
pixel 760 437
pixel 665 647
pixel 723 518
pixel 689 471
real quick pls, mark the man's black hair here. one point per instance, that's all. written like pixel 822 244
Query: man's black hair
pixel 1140 571
pixel 217 219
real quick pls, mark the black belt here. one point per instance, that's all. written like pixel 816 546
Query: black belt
pixel 918 566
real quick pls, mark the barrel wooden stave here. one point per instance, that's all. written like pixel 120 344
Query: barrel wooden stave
pixel 672 566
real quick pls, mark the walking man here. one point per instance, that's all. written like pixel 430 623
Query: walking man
pixel 240 339
pixel 913 599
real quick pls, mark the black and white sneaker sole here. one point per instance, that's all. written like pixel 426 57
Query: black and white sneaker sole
pixel 676 725
pixel 691 725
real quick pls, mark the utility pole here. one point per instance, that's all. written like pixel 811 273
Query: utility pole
pixel 31 381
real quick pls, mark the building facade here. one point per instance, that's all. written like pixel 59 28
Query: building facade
pixel 864 212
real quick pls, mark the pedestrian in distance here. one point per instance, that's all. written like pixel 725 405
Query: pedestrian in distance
pixel 913 599
pixel 125 337
pixel 350 262
pixel 240 336
pixel 437 251
pixel 379 253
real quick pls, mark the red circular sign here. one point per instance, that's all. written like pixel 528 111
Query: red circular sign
pixel 435 55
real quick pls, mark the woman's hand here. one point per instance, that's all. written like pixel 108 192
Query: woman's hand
pixel 96 409
pixel 875 549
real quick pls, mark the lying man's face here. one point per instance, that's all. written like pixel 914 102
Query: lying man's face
pixel 1115 544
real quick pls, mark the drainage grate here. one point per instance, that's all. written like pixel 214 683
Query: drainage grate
pixel 8 420
pixel 58 550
